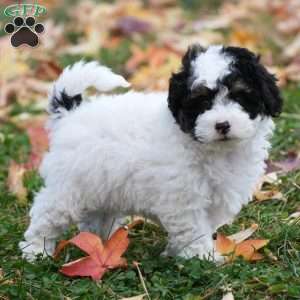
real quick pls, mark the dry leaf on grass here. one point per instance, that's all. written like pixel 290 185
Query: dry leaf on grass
pixel 244 234
pixel 268 195
pixel 244 248
pixel 15 181
pixel 101 256
pixel 272 193
pixel 290 163
pixel 38 137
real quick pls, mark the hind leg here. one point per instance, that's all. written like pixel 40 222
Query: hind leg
pixel 49 218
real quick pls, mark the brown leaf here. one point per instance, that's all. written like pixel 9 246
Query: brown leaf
pixel 15 181
pixel 268 195
pixel 47 70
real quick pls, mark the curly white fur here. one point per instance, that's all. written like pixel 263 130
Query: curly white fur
pixel 124 154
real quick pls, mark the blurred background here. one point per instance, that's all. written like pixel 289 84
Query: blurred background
pixel 144 40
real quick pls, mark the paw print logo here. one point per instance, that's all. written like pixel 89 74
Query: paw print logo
pixel 24 31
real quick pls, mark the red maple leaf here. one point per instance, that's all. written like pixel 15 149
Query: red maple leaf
pixel 101 256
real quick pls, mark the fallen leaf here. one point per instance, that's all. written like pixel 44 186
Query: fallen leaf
pixel 234 246
pixel 244 234
pixel 101 256
pixel 290 163
pixel 38 137
pixel 243 38
pixel 15 181
pixel 224 245
pixel 247 249
pixel 128 25
pixel 85 266
pixel 47 70
pixel 270 178
pixel 268 195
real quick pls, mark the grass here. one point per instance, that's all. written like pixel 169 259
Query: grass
pixel 166 278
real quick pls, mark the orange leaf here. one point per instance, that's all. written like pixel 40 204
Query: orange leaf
pixel 256 256
pixel 85 241
pixel 101 257
pixel 224 245
pixel 248 248
pixel 84 266
pixel 115 247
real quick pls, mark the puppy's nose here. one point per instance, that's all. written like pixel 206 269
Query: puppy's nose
pixel 223 127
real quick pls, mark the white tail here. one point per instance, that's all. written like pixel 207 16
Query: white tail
pixel 66 93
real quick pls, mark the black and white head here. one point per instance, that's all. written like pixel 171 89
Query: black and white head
pixel 222 93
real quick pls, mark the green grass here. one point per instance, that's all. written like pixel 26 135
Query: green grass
pixel 166 278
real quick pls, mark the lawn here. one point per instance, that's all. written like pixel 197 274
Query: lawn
pixel 275 277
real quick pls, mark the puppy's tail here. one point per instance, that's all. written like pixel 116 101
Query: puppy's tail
pixel 66 92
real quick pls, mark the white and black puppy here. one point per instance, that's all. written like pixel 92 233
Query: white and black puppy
pixel 189 158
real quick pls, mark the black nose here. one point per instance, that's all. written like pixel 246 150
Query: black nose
pixel 223 127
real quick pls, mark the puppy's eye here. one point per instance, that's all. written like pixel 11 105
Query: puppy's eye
pixel 200 91
pixel 239 87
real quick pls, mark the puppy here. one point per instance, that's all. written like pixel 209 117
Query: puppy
pixel 189 158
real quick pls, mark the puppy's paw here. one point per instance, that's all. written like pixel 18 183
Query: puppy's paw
pixel 30 250
pixel 201 252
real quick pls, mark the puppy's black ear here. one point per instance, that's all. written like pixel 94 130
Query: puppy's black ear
pixel 270 94
pixel 177 92
pixel 190 55
pixel 256 76
pixel 178 84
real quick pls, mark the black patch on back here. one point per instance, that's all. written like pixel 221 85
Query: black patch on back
pixel 262 96
pixel 65 101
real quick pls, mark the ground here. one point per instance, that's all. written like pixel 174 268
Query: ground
pixel 277 276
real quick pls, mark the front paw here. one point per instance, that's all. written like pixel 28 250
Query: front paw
pixel 201 252
pixel 30 250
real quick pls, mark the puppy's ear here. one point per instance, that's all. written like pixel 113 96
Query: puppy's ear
pixel 257 76
pixel 269 91
pixel 190 55
pixel 178 84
